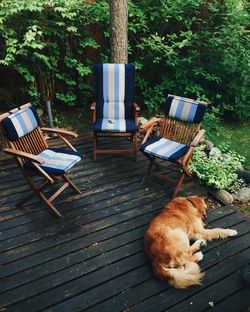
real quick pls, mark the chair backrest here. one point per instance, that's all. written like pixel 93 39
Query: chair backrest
pixel 114 91
pixel 21 129
pixel 183 117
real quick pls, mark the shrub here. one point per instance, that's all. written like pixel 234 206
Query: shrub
pixel 45 42
pixel 193 48
pixel 196 48
pixel 212 122
pixel 217 171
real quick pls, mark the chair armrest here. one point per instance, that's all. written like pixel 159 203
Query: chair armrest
pixel 151 123
pixel 93 106
pixel 62 134
pixel 136 107
pixel 61 131
pixel 24 155
pixel 149 126
pixel 198 137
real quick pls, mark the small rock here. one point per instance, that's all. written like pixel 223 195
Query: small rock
pixel 225 196
pixel 240 169
pixel 153 119
pixel 142 120
pixel 214 151
pixel 226 156
pixel 39 111
pixel 243 194
pixel 208 144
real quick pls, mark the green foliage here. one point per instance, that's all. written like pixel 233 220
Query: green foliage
pixel 212 122
pixel 235 134
pixel 217 171
pixel 45 41
pixel 193 48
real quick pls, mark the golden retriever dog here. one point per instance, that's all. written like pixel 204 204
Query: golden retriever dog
pixel 167 241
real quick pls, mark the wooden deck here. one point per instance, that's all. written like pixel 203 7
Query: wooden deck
pixel 92 259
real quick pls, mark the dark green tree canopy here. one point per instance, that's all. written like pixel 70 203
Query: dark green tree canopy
pixel 195 48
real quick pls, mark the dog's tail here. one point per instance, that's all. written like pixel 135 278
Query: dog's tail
pixel 181 277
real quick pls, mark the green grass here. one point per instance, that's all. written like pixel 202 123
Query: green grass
pixel 235 134
pixel 238 136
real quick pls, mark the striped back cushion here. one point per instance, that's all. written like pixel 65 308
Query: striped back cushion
pixel 20 123
pixel 114 90
pixel 185 109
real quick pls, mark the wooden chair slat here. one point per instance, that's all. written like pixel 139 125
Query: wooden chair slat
pixel 181 132
pixel 34 143
pixel 125 112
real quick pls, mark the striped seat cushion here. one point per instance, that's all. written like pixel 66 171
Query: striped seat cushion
pixel 185 109
pixel 20 123
pixel 114 91
pixel 57 161
pixel 117 125
pixel 164 148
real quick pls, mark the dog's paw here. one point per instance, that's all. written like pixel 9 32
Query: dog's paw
pixel 199 255
pixel 232 232
pixel 201 242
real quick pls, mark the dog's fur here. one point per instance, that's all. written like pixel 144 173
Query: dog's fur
pixel 166 241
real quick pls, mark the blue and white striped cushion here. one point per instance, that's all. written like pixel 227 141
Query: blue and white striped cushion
pixel 164 148
pixel 120 125
pixel 185 109
pixel 116 125
pixel 114 87
pixel 20 123
pixel 57 161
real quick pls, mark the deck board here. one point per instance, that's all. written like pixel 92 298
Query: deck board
pixel 92 259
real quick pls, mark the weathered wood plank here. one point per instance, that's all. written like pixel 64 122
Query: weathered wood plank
pixel 235 302
pixel 93 259
pixel 213 275
pixel 82 179
pixel 92 185
pixel 154 287
pixel 52 280
pixel 212 295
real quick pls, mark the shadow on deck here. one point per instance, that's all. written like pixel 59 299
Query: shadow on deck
pixel 92 259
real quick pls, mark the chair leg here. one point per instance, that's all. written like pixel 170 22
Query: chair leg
pixel 71 184
pixel 176 191
pixel 132 137
pixel 148 171
pixel 36 191
pixel 187 173
pixel 135 146
pixel 94 145
pixel 49 205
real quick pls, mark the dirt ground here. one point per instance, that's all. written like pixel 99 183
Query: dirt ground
pixel 243 207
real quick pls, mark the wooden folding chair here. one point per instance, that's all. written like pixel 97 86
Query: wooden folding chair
pixel 28 145
pixel 179 134
pixel 114 112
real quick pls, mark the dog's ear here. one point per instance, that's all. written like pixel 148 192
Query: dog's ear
pixel 199 203
pixel 195 200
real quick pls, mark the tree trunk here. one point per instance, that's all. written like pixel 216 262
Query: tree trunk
pixel 119 31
